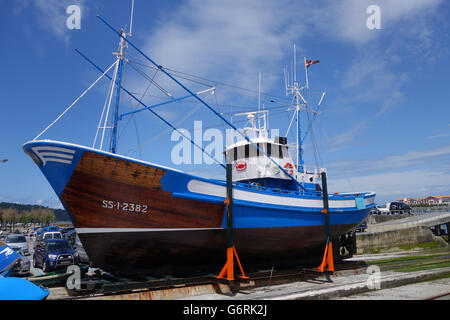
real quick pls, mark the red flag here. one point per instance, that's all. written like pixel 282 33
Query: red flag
pixel 310 62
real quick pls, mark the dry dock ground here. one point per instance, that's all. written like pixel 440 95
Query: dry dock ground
pixel 413 273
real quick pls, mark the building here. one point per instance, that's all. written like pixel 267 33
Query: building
pixel 443 199
pixel 410 201
pixel 431 200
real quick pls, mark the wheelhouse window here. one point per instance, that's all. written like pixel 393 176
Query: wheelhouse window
pixel 280 151
pixel 250 151
pixel 268 148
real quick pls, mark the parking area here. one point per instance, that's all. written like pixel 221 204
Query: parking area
pixel 60 238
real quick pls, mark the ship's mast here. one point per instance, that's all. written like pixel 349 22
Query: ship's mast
pixel 294 89
pixel 120 57
pixel 119 53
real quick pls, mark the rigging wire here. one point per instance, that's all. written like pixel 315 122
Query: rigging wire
pixel 346 177
pixel 111 86
pixel 109 103
pixel 142 96
pixel 154 113
pixel 73 103
pixel 142 73
pixel 174 72
pixel 313 140
pixel 156 138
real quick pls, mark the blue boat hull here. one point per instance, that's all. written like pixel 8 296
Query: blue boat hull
pixel 134 216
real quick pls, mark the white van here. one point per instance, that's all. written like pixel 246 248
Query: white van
pixel 49 235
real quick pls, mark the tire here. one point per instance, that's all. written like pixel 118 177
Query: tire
pixel 45 268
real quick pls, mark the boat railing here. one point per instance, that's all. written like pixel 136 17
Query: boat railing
pixel 299 193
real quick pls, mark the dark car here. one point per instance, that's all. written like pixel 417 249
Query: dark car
pixel 66 230
pixel 53 254
pixel 81 252
pixel 399 208
pixel 70 236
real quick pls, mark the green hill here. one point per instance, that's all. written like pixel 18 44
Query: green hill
pixel 8 209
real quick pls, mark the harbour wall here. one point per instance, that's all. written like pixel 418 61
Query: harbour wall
pixel 374 219
pixel 369 241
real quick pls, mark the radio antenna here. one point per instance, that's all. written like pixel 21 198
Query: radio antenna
pixel 131 18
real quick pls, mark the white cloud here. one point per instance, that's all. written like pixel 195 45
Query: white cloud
pixel 408 159
pixel 440 135
pixel 50 14
pixel 228 40
pixel 233 40
pixel 392 185
pixel 347 19
pixel 345 139
pixel 371 79
pixel 374 76
pixel 417 156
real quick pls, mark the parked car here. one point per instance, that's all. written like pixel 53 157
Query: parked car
pixel 395 208
pixel 51 228
pixel 374 211
pixel 70 236
pixel 66 230
pixel 52 254
pixel 49 235
pixel 17 241
pixel 34 233
pixel 22 268
pixel 399 208
pixel 42 230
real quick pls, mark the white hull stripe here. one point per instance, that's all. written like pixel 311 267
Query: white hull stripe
pixel 54 154
pixel 53 149
pixel 210 189
pixel 113 230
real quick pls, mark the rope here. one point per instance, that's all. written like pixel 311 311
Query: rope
pixel 82 95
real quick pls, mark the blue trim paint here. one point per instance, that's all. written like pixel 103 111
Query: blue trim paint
pixel 58 174
pixel 261 217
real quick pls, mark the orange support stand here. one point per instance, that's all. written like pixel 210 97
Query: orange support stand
pixel 228 268
pixel 327 260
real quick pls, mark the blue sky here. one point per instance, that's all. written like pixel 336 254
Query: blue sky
pixel 385 125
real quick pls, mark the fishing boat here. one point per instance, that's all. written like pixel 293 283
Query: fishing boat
pixel 135 216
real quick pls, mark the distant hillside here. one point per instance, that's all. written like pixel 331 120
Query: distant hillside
pixel 60 215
